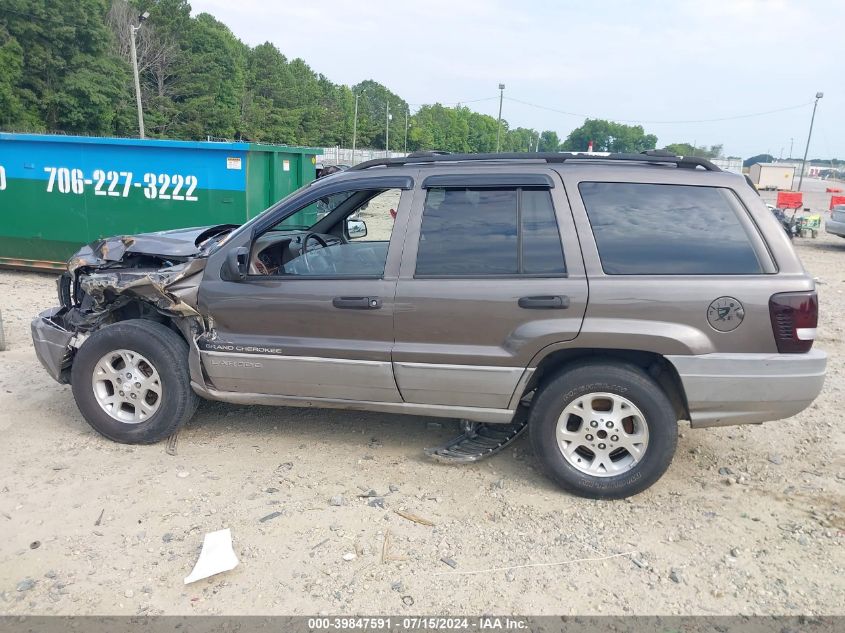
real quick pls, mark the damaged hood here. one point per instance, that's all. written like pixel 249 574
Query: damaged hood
pixel 161 270
pixel 178 244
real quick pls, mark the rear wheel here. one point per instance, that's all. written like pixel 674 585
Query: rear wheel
pixel 603 430
pixel 131 382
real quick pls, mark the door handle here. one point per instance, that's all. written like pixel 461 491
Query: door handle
pixel 555 302
pixel 357 303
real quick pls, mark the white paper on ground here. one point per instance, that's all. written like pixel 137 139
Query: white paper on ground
pixel 216 556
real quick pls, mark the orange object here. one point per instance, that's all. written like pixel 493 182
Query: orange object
pixel 833 190
pixel 790 200
pixel 834 200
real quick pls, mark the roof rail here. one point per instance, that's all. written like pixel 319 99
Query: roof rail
pixel 650 156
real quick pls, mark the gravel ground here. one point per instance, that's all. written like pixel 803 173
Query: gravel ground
pixel 747 520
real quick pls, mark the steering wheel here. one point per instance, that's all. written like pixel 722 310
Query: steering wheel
pixel 313 236
pixel 304 251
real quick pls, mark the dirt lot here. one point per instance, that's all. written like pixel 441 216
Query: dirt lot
pixel 747 520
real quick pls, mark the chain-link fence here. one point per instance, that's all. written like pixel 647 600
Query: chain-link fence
pixel 345 156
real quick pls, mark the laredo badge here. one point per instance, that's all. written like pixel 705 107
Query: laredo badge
pixel 725 314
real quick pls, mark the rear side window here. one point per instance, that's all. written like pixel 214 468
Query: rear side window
pixel 645 229
pixel 484 232
pixel 541 251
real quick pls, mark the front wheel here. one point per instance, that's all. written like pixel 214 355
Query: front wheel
pixel 131 382
pixel 603 430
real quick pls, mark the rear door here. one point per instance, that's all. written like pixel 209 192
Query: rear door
pixel 491 273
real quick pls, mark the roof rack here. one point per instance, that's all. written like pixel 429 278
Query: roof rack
pixel 650 156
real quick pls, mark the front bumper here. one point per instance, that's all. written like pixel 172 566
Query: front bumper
pixel 835 228
pixel 725 389
pixel 51 342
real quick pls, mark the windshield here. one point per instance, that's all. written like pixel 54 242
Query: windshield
pixel 214 244
pixel 308 216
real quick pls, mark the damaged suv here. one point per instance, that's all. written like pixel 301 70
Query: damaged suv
pixel 593 300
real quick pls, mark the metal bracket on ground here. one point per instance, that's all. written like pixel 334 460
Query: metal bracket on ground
pixel 479 440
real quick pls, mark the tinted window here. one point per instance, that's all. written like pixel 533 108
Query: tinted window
pixel 474 232
pixel 468 232
pixel 644 229
pixel 541 251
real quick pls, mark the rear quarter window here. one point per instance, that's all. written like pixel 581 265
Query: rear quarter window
pixel 648 229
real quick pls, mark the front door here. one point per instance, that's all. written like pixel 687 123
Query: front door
pixel 486 283
pixel 314 316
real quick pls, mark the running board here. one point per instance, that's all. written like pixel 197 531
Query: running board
pixel 480 440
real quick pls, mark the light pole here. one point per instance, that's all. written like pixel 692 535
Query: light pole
pixel 355 125
pixel 499 121
pixel 387 129
pixel 819 95
pixel 132 30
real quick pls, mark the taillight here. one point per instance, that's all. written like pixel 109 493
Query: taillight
pixel 794 319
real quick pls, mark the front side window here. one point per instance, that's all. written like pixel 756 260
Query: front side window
pixel 488 232
pixel 646 229
pixel 345 234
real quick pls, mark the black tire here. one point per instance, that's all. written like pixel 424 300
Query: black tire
pixel 168 353
pixel 611 377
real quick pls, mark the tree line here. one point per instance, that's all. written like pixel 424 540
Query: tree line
pixel 65 67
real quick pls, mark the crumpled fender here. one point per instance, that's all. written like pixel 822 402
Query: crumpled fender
pixel 156 287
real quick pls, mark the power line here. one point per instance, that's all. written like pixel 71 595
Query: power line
pixel 727 118
pixel 455 103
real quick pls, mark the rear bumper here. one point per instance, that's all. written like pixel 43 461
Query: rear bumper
pixel 725 389
pixel 835 228
pixel 51 343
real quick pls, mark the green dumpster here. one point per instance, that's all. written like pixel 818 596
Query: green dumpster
pixel 60 192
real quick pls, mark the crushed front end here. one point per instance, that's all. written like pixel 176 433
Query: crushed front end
pixel 155 276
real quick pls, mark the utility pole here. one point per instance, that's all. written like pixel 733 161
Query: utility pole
pixel 387 129
pixel 791 142
pixel 355 125
pixel 132 30
pixel 406 129
pixel 819 95
pixel 499 122
pixel 537 147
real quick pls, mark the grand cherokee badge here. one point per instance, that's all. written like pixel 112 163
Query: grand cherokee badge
pixel 725 314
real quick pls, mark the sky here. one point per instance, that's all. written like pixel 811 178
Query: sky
pixel 672 66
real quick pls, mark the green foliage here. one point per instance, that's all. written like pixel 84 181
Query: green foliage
pixel 58 65
pixel 686 149
pixel 609 136
pixel 549 141
pixel 12 112
pixel 520 140
pixel 213 80
pixel 460 130
pixel 372 116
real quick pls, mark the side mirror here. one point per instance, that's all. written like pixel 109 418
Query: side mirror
pixel 236 265
pixel 356 229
